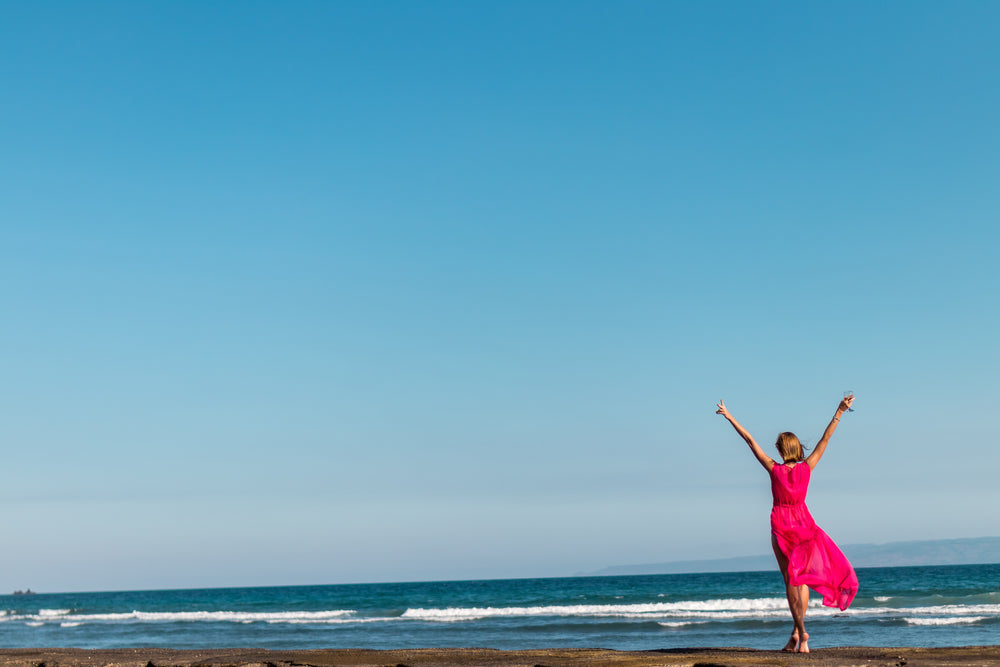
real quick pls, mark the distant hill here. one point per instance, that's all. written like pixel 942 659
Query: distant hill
pixel 965 551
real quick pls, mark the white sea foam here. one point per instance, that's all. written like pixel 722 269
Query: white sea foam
pixel 343 621
pixel 68 619
pixel 952 610
pixel 882 598
pixel 232 616
pixel 704 609
pixel 668 614
pixel 949 620
pixel 49 613
pixel 680 624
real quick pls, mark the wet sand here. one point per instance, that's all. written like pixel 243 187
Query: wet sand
pixel 965 656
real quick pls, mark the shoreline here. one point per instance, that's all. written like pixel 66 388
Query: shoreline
pixel 957 656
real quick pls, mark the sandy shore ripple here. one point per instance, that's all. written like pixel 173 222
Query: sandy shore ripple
pixel 964 656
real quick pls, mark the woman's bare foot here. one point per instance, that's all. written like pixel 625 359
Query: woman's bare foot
pixel 803 646
pixel 792 643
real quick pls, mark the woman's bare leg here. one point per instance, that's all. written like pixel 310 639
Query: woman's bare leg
pixel 798 599
pixel 803 646
pixel 794 602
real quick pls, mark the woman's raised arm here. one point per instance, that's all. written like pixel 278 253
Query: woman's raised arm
pixel 817 453
pixel 764 459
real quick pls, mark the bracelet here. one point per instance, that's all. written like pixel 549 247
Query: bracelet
pixel 836 419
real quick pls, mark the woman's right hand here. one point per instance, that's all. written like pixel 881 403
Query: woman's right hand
pixel 845 404
pixel 722 410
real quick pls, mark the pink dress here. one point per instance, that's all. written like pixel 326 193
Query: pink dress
pixel 813 558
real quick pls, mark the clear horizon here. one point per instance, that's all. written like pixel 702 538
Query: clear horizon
pixel 344 292
pixel 596 573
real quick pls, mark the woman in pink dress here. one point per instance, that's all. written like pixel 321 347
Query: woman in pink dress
pixel 807 556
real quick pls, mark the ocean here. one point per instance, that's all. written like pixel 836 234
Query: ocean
pixel 900 606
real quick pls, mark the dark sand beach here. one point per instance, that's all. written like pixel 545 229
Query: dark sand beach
pixel 966 656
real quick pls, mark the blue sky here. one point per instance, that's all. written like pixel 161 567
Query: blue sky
pixel 335 292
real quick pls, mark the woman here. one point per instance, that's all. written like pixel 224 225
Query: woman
pixel 807 556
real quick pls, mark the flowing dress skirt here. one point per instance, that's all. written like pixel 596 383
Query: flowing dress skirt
pixel 813 558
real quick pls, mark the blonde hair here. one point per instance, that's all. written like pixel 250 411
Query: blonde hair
pixel 789 447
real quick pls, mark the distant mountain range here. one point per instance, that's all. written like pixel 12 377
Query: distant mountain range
pixel 975 550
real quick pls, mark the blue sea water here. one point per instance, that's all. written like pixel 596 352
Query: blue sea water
pixel 903 606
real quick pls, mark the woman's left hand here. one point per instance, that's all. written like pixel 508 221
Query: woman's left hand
pixel 722 410
pixel 845 404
